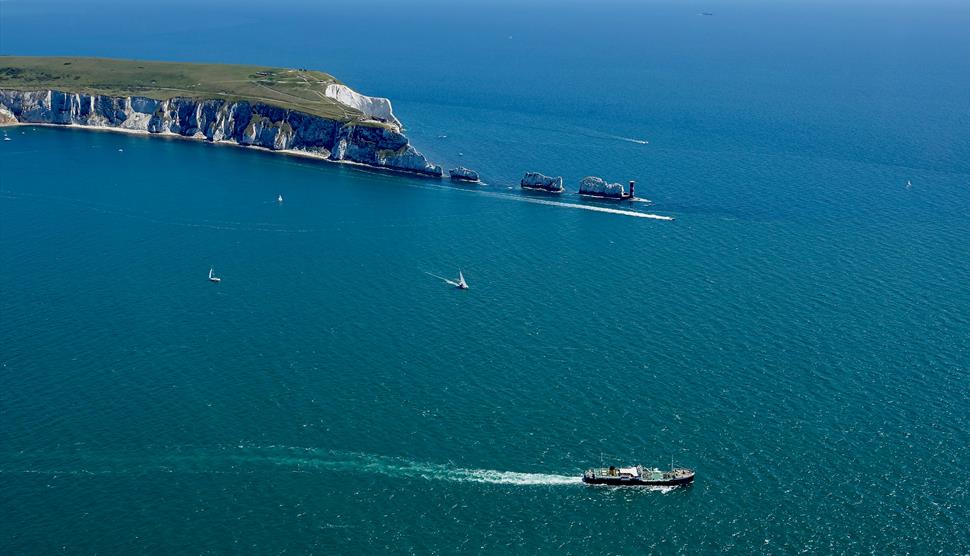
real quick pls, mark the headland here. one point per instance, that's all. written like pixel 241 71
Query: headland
pixel 297 111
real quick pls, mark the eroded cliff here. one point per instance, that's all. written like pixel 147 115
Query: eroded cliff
pixel 217 120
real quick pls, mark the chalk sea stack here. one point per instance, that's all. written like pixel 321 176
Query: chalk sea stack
pixel 598 187
pixel 540 182
pixel 463 174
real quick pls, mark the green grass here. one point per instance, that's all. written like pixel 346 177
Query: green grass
pixel 295 89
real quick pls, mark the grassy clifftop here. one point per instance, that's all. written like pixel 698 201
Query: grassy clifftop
pixel 295 89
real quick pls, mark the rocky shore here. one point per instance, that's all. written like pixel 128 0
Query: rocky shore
pixel 217 120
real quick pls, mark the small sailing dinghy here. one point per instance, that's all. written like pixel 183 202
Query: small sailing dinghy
pixel 279 198
pixel 213 278
pixel 461 284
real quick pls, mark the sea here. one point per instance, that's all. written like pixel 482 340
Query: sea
pixel 798 332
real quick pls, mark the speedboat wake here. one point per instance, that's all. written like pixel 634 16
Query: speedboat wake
pixel 445 280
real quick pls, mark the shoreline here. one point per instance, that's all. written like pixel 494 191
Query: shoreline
pixel 357 166
pixel 203 139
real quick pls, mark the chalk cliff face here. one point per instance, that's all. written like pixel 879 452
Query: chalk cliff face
pixel 535 180
pixel 373 107
pixel 244 123
pixel 592 185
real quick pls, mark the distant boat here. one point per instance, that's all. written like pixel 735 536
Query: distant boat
pixel 909 184
pixel 461 284
pixel 6 137
pixel 213 278
pixel 279 198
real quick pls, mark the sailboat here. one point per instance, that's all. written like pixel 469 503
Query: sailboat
pixel 6 137
pixel 279 198
pixel 909 184
pixel 213 278
pixel 462 284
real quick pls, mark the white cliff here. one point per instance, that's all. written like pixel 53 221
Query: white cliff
pixel 376 108
pixel 217 120
pixel 598 187
pixel 535 180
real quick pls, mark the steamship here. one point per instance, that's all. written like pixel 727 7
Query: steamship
pixel 638 476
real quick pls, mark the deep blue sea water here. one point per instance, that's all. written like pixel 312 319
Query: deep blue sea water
pixel 800 333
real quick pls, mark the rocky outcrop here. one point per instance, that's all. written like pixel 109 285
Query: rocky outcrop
pixel 598 187
pixel 241 122
pixel 535 180
pixel 463 174
pixel 375 108
pixel 6 116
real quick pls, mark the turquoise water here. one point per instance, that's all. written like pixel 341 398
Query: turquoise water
pixel 800 333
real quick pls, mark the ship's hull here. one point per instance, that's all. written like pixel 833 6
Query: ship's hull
pixel 616 481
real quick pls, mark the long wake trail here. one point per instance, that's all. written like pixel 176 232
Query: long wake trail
pixel 404 468
pixel 593 208
pixel 524 199
pixel 442 278
pixel 244 460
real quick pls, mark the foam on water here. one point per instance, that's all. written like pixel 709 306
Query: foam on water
pixel 299 460
pixel 581 131
pixel 609 136
pixel 631 140
pixel 446 280
pixel 593 208
pixel 492 476
pixel 401 467
pixel 533 200
pixel 547 202
pixel 243 459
